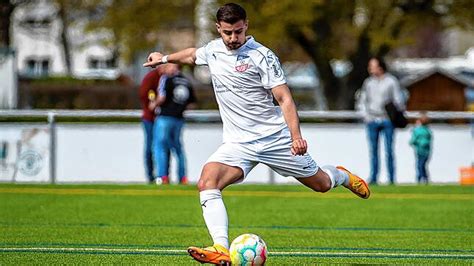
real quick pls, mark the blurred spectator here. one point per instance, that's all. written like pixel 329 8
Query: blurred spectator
pixel 175 94
pixel 421 140
pixel 379 89
pixel 148 94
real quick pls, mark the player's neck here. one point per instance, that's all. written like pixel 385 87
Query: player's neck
pixel 247 38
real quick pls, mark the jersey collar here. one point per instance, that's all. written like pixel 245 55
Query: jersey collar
pixel 249 40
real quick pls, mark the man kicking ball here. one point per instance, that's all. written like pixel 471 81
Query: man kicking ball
pixel 246 77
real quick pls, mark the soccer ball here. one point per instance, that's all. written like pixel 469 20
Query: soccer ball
pixel 248 249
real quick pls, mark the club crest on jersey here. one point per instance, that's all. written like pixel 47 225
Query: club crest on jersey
pixel 242 63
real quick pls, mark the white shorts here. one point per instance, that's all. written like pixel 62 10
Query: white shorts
pixel 273 151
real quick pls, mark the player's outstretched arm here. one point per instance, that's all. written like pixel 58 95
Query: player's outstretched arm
pixel 186 57
pixel 283 97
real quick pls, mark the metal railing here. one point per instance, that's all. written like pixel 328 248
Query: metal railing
pixel 192 115
pixel 213 115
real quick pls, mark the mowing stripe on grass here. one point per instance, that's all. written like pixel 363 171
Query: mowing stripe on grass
pixel 268 227
pixel 232 193
pixel 135 251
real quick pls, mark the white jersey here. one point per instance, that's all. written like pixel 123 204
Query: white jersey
pixel 242 81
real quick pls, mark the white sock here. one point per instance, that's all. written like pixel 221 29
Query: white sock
pixel 338 177
pixel 215 216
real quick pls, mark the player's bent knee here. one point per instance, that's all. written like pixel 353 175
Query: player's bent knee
pixel 324 181
pixel 325 186
pixel 321 187
pixel 206 182
pixel 319 182
pixel 203 184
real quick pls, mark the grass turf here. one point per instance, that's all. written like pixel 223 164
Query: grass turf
pixel 133 224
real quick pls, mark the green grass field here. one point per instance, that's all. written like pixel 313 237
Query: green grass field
pixel 92 224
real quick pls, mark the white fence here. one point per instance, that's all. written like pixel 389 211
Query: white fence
pixel 113 152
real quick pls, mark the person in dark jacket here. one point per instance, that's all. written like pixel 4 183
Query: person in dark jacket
pixel 175 95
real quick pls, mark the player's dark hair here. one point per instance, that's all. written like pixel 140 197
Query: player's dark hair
pixel 231 13
pixel 381 62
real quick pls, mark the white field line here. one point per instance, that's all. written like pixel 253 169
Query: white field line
pixel 290 253
pixel 280 253
pixel 118 250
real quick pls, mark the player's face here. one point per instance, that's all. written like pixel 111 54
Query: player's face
pixel 374 67
pixel 233 35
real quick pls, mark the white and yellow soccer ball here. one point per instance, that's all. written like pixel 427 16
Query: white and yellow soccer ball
pixel 248 249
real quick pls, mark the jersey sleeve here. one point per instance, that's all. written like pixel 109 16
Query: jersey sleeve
pixel 361 97
pixel 162 85
pixel 270 70
pixel 201 56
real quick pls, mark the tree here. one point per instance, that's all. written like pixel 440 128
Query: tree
pixel 65 12
pixel 70 13
pixel 322 30
pixel 135 25
pixel 6 10
pixel 352 30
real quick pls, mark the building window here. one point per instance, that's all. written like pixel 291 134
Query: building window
pixel 37 23
pixel 37 67
pixel 101 63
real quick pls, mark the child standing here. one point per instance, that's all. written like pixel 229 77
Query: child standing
pixel 421 139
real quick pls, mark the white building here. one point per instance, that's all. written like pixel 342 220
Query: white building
pixel 36 38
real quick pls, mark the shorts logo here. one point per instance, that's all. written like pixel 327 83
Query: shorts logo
pixel 242 63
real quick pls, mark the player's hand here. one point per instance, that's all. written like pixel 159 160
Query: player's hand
pixel 299 147
pixel 153 60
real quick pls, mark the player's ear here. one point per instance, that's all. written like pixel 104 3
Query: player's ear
pixel 218 27
pixel 246 26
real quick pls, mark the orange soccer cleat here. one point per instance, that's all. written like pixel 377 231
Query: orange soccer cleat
pixel 217 254
pixel 356 184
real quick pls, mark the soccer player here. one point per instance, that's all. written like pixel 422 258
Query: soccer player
pixel 246 77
